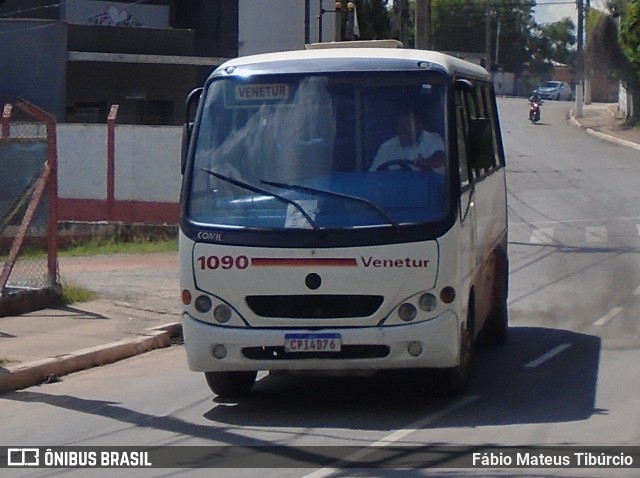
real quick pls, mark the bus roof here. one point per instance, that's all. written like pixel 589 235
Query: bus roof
pixel 329 57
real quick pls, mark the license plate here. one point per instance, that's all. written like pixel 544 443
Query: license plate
pixel 312 343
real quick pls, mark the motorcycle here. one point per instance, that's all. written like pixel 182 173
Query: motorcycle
pixel 534 111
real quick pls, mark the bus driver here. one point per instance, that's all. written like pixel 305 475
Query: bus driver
pixel 413 145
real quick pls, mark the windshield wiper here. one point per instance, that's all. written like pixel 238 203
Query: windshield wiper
pixel 256 189
pixel 366 202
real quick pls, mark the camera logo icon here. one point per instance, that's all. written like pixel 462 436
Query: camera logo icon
pixel 23 457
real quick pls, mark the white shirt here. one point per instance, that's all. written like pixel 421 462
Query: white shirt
pixel 428 143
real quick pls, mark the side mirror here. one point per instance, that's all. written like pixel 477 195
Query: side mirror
pixel 191 105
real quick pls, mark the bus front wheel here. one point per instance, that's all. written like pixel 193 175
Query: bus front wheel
pixel 496 329
pixel 230 384
pixel 455 380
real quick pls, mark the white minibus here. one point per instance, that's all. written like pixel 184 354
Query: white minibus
pixel 315 236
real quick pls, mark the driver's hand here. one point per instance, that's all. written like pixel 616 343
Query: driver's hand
pixel 436 160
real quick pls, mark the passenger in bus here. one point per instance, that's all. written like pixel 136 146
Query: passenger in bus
pixel 412 147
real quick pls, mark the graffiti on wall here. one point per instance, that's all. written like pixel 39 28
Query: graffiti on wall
pixel 116 14
pixel 115 17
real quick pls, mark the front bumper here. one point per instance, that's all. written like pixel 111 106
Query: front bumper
pixel 364 348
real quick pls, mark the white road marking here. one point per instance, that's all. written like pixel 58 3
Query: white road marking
pixel 395 436
pixel 543 235
pixel 608 316
pixel 637 291
pixel 638 228
pixel 547 356
pixel 596 234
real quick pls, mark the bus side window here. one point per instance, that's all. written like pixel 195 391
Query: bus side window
pixel 466 105
pixel 477 113
pixel 491 114
pixel 461 139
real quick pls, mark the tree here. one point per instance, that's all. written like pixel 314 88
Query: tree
pixel 630 42
pixel 630 33
pixel 458 25
pixel 514 26
pixel 617 51
pixel 373 19
pixel 461 26
pixel 561 37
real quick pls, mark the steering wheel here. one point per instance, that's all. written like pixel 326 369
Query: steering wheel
pixel 402 164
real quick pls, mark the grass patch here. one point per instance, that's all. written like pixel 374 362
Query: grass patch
pixel 96 247
pixel 110 246
pixel 73 293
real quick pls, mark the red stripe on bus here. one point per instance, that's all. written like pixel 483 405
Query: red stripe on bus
pixel 288 262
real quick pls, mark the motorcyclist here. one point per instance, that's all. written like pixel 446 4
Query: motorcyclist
pixel 535 98
pixel 534 112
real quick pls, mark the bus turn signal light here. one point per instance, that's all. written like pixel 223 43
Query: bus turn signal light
pixel 448 294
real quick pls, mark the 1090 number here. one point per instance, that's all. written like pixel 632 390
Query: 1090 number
pixel 223 262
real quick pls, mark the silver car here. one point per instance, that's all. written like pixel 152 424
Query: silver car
pixel 555 90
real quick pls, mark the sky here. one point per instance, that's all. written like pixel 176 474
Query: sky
pixel 549 11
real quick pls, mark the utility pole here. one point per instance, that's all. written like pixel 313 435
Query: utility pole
pixel 587 80
pixel 497 57
pixel 307 22
pixel 580 60
pixel 423 24
pixel 487 36
pixel 320 22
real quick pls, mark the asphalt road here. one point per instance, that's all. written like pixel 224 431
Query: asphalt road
pixel 568 375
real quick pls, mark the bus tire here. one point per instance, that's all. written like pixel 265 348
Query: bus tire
pixel 496 329
pixel 456 379
pixel 230 384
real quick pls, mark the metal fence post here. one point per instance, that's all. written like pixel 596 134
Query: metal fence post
pixel 111 162
pixel 52 178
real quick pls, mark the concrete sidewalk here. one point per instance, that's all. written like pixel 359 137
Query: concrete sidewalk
pixel 43 346
pixel 606 122
pixel 138 311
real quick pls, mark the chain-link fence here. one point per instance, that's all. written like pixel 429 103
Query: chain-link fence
pixel 28 210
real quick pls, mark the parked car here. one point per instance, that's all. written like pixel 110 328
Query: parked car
pixel 555 90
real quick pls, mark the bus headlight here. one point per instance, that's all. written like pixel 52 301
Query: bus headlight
pixel 202 304
pixel 428 302
pixel 222 313
pixel 407 312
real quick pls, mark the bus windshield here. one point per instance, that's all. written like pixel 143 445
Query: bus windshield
pixel 321 151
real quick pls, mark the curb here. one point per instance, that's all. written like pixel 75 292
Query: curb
pixel 604 136
pixel 17 377
pixel 613 139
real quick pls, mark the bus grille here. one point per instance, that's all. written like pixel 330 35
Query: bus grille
pixel 314 306
pixel 347 352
